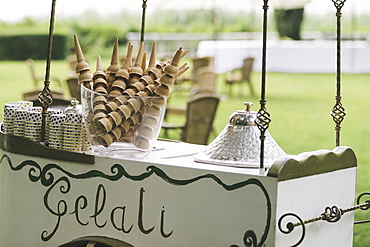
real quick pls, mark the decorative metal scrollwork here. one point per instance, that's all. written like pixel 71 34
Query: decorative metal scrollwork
pixel 367 201
pixel 338 112
pixel 331 214
pixel 263 117
pixel 338 3
pixel 366 206
pixel 290 227
pixel 45 96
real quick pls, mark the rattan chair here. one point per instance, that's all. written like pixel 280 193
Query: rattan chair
pixel 201 62
pixel 200 113
pixel 206 77
pixel 74 88
pixel 241 75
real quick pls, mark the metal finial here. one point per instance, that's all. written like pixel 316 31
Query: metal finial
pixel 45 96
pixel 143 21
pixel 248 106
pixel 338 111
pixel 263 117
pixel 74 103
pixel 338 3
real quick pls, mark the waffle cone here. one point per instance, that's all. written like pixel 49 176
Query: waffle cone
pixel 81 63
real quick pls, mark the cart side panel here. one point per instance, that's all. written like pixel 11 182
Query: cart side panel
pixel 47 202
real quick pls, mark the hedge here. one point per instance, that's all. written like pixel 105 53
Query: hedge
pixel 22 47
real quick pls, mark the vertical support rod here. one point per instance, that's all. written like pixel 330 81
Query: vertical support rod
pixel 338 96
pixel 50 44
pixel 339 34
pixel 338 111
pixel 263 117
pixel 45 96
pixel 143 21
pixel 264 49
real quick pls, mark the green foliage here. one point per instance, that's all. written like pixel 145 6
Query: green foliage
pixel 95 39
pixel 361 23
pixel 96 32
pixel 31 26
pixel 22 47
pixel 200 21
pixel 327 23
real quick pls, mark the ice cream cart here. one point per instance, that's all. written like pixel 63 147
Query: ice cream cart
pixel 240 190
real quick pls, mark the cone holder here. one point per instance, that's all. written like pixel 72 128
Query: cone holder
pixel 124 106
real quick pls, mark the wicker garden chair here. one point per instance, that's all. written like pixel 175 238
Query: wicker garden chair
pixel 241 75
pixel 200 113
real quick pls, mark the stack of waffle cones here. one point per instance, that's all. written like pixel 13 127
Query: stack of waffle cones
pixel 128 100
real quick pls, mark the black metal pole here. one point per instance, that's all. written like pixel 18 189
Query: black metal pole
pixel 264 50
pixel 263 117
pixel 143 21
pixel 45 96
pixel 338 111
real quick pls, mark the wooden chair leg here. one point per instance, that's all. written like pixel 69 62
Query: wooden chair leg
pixel 251 88
pixel 229 86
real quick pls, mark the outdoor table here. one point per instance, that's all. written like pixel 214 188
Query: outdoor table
pixel 304 56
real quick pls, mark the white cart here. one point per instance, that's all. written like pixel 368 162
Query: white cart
pixel 58 198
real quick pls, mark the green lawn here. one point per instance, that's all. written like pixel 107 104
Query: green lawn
pixel 299 104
